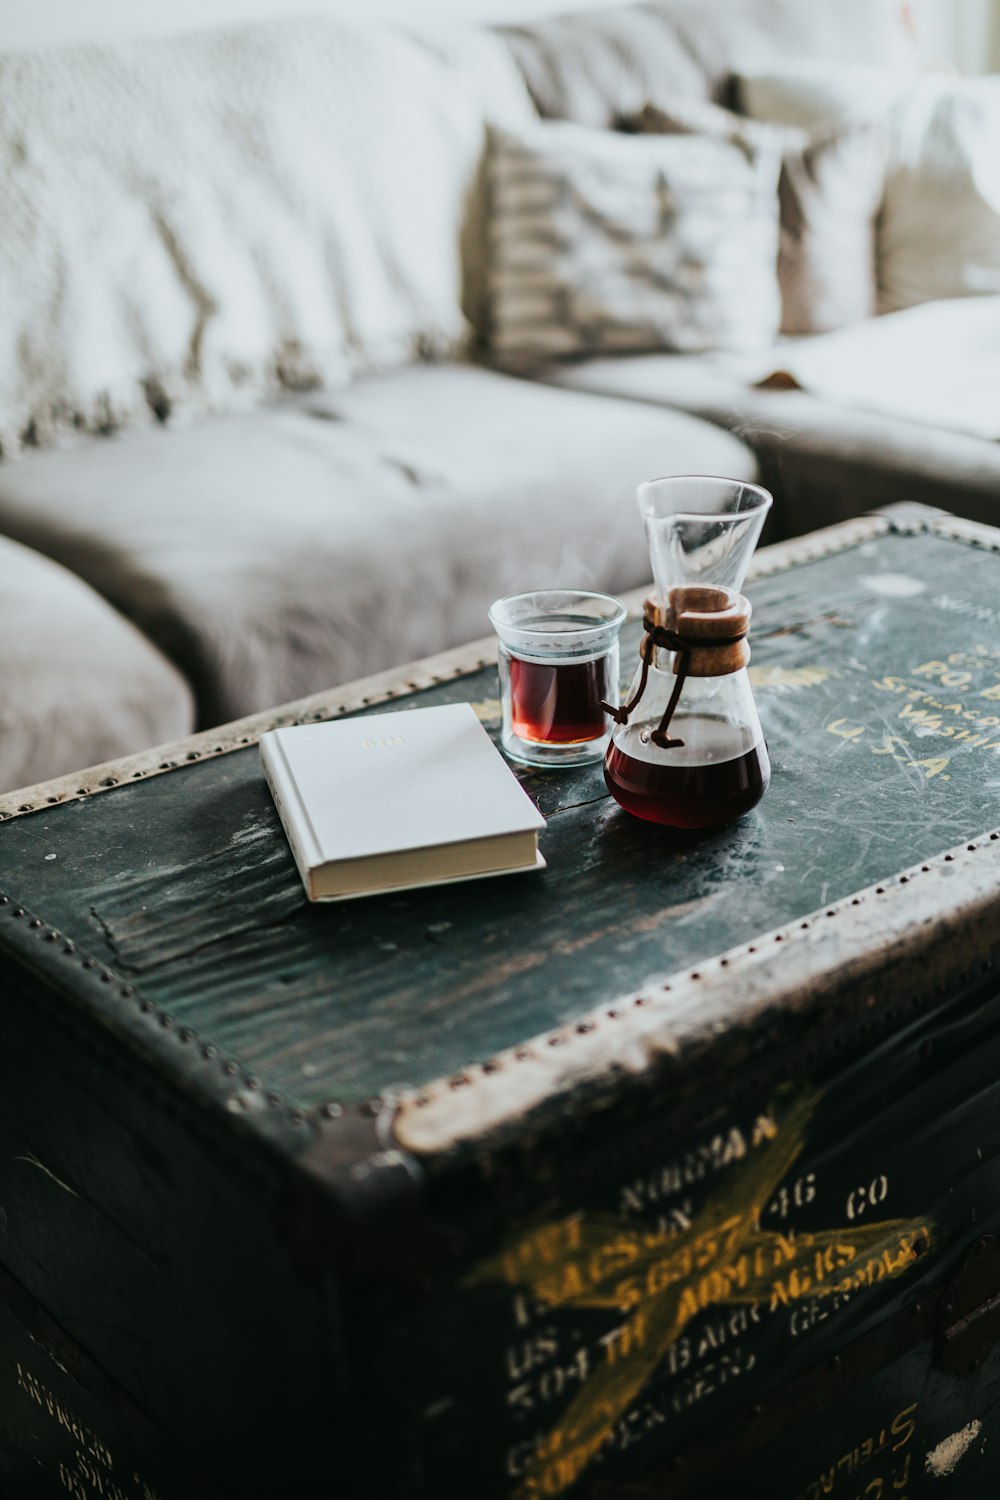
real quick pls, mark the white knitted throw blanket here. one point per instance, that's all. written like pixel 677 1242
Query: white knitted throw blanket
pixel 191 222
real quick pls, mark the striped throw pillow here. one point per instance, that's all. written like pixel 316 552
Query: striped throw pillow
pixel 604 242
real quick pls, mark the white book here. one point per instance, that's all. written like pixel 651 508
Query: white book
pixel 393 801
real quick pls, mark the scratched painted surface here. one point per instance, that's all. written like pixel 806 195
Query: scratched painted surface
pixel 878 681
pixel 642 1286
pixel 661 1280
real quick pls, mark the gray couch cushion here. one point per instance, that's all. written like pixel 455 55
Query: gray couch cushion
pixel 824 462
pixel 276 553
pixel 598 65
pixel 78 684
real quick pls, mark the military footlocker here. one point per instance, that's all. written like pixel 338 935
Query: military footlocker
pixel 671 1171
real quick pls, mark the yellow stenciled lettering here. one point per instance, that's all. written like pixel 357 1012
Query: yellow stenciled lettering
pixel 37 1392
pixel 627 1294
pixel 689 1307
pixel 723 1257
pixel 891 742
pixel 935 765
pixel 70 1482
pixel 785 1248
pixel 903 1426
pixel 845 731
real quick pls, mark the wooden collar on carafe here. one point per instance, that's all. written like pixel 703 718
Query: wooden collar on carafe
pixel 706 628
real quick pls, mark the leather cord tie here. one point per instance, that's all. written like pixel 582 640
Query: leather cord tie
pixel 706 628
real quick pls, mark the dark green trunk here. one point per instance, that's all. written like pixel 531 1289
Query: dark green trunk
pixel 544 1185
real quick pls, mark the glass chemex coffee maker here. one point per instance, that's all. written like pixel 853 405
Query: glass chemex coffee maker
pixel 687 749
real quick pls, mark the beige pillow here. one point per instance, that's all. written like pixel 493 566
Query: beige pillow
pixel 830 191
pixel 809 94
pixel 939 230
pixel 604 242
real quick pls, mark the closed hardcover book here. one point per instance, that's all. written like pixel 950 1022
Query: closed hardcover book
pixel 393 801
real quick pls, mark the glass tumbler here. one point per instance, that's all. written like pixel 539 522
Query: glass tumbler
pixel 558 660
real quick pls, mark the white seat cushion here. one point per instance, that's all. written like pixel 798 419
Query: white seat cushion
pixel 277 553
pixel 825 462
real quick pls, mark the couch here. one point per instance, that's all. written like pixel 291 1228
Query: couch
pixel 254 442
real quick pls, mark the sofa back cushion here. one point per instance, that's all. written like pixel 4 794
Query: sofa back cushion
pixel 939 223
pixel 598 65
pixel 193 221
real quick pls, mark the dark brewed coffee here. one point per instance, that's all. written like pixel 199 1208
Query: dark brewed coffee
pixel 558 704
pixel 702 784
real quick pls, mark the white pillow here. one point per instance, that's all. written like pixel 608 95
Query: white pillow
pixel 939 230
pixel 606 242
pixel 829 194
